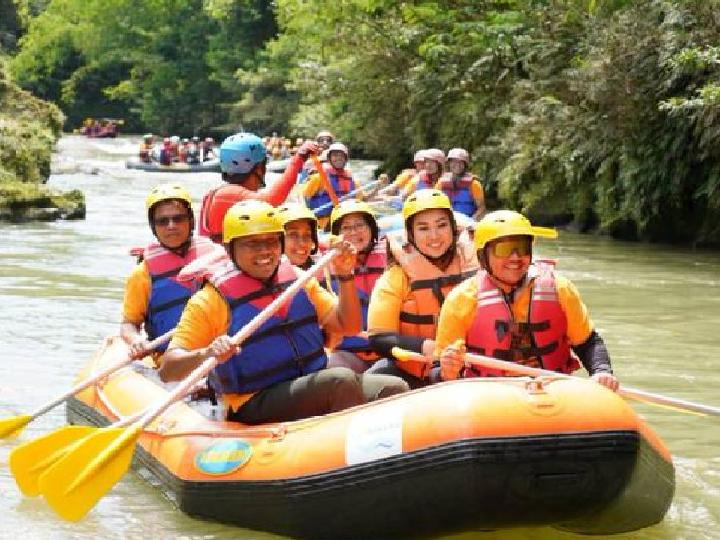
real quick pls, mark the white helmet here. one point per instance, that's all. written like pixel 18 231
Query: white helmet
pixel 459 153
pixel 434 154
pixel 338 147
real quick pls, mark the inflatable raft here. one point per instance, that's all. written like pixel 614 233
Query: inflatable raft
pixel 465 455
pixel 212 165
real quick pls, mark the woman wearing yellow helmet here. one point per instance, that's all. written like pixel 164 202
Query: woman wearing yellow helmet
pixel 518 310
pixel 279 374
pixel 154 298
pixel 301 238
pixel 424 264
pixel 355 221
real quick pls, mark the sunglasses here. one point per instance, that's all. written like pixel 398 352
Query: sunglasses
pixel 505 248
pixel 321 140
pixel 165 220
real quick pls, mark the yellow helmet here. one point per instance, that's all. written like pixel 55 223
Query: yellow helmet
pixel 349 206
pixel 293 212
pixel 166 192
pixel 503 223
pixel 425 199
pixel 246 218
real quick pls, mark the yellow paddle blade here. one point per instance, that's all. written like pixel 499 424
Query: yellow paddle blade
pixel 12 426
pixel 88 471
pixel 29 460
pixel 404 355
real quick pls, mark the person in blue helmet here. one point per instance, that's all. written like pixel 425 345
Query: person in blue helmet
pixel 242 164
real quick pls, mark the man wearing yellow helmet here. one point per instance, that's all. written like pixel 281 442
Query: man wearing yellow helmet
pixel 355 221
pixel 154 298
pixel 518 310
pixel 279 372
pixel 424 264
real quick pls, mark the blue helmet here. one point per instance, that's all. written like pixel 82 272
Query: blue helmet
pixel 239 153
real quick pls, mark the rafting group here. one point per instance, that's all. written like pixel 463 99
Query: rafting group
pixel 433 289
pixel 171 150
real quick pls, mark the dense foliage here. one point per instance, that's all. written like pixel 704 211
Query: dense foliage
pixel 29 128
pixel 604 112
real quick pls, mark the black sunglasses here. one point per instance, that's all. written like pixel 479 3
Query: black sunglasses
pixel 165 221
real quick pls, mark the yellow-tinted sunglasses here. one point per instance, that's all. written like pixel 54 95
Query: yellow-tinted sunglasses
pixel 504 248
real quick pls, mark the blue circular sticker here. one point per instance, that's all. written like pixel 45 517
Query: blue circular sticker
pixel 224 457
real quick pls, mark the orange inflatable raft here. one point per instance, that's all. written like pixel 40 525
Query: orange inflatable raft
pixel 473 454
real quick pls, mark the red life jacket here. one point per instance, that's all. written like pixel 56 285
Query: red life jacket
pixel 540 342
pixel 458 191
pixel 169 295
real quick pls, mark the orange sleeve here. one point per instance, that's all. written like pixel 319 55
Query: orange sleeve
pixel 311 185
pixel 456 315
pixel 579 324
pixel 137 294
pixel 323 300
pixel 205 317
pixel 478 193
pixel 386 300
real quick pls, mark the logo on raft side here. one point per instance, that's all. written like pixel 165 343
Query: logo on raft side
pixel 224 457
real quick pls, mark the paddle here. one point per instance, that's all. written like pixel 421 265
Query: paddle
pixel 632 393
pixel 13 424
pixel 327 186
pixel 95 463
pixel 30 460
pixel 347 196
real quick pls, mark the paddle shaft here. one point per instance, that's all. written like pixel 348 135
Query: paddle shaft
pixel 347 195
pixel 203 369
pixel 640 395
pixel 95 378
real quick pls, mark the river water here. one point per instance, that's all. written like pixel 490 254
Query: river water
pixel 61 287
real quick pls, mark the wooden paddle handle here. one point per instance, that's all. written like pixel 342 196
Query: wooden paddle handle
pixel 633 393
pixel 209 364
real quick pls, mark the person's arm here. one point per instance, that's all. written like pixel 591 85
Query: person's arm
pixel 311 185
pixel 593 354
pixel 478 194
pixel 456 316
pixel 584 340
pixel 346 315
pixel 135 303
pixel 201 331
pixel 279 191
pixel 386 302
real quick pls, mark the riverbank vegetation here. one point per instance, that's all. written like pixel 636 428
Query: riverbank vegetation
pixel 599 112
pixel 29 128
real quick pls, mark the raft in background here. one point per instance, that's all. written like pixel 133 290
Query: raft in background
pixel 212 165
pixel 465 455
pixel 277 165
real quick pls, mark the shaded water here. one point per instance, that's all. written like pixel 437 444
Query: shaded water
pixel 61 289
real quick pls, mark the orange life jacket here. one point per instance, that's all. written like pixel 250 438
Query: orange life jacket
pixel 540 342
pixel 429 286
